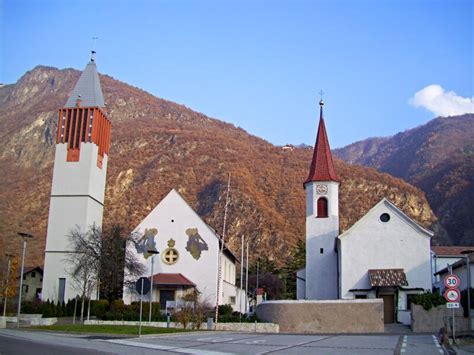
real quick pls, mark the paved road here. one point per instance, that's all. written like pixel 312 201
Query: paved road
pixel 27 342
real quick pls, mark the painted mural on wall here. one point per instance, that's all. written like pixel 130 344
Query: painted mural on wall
pixel 195 245
pixel 147 242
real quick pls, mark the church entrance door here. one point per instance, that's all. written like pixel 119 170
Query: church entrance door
pixel 388 308
pixel 166 295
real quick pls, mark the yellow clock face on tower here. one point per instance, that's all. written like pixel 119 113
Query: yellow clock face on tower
pixel 321 189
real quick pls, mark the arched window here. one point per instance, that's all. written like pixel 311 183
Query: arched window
pixel 322 207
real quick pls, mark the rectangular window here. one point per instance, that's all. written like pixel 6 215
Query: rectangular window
pixel 61 289
pixel 360 297
pixel 24 277
pixel 321 250
pixel 25 288
pixel 33 274
pixel 232 299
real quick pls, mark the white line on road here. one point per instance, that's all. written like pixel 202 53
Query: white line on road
pixel 163 347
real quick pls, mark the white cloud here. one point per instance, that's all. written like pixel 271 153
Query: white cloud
pixel 442 103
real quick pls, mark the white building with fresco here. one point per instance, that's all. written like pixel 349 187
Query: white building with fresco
pixel 385 254
pixel 78 187
pixel 188 256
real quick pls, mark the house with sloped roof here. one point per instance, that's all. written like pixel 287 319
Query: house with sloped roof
pixel 32 283
pixel 385 254
pixel 442 256
pixel 189 253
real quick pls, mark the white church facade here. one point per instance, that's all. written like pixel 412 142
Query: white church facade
pixel 78 187
pixel 188 256
pixel 385 254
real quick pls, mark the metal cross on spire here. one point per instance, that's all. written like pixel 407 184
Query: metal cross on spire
pixel 321 93
pixel 93 48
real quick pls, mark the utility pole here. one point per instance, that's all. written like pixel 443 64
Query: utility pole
pixel 247 279
pixel 153 253
pixel 9 256
pixel 241 276
pixel 23 236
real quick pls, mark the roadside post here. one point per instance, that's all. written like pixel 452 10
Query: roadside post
pixel 142 286
pixel 452 295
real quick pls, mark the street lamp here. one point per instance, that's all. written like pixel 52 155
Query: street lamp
pixel 153 253
pixel 9 256
pixel 25 237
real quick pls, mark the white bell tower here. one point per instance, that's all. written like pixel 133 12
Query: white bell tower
pixel 78 187
pixel 322 220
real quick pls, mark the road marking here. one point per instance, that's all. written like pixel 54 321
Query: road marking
pixel 293 345
pixel 163 347
pixel 215 340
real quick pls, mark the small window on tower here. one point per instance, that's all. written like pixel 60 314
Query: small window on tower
pixel 321 250
pixel 322 207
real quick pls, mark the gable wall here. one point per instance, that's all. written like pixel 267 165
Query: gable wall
pixel 203 271
pixel 373 244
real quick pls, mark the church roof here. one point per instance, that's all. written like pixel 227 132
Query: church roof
pixel 87 89
pixel 456 251
pixel 163 279
pixel 322 166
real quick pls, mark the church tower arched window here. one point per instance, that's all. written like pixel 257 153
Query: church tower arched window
pixel 322 207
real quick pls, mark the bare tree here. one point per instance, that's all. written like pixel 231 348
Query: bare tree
pixel 101 260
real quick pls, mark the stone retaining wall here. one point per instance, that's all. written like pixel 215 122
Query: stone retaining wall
pixel 237 327
pixel 334 316
pixel 437 317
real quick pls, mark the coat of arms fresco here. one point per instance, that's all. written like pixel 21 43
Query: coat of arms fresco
pixel 147 242
pixel 195 245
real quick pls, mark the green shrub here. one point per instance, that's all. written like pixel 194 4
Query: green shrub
pixel 429 300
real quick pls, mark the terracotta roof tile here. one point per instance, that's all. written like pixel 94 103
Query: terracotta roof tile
pixel 322 166
pixel 387 278
pixel 162 279
pixel 452 251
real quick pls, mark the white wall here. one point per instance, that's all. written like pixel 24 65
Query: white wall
pixel 372 244
pixel 301 284
pixel 77 196
pixel 321 233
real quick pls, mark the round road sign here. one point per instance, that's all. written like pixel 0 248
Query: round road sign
pixel 452 281
pixel 452 295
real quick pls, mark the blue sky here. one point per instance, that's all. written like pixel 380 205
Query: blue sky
pixel 260 64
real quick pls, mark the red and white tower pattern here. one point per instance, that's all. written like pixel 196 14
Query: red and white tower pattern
pixel 78 187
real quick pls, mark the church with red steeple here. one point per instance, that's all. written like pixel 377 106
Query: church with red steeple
pixel 322 219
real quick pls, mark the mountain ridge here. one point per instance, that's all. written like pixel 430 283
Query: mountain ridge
pixel 158 145
pixel 437 157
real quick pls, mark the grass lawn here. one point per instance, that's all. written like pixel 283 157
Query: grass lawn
pixel 109 329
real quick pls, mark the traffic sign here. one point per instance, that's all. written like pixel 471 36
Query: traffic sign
pixel 452 295
pixel 452 281
pixel 452 305
pixel 146 285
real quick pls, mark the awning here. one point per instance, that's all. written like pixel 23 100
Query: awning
pixel 387 278
pixel 163 279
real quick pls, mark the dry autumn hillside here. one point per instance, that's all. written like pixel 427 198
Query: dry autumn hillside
pixel 437 157
pixel 158 145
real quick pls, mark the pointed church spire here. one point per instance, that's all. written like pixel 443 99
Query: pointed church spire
pixel 322 166
pixel 87 92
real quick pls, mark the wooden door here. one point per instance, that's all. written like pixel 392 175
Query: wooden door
pixel 388 308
